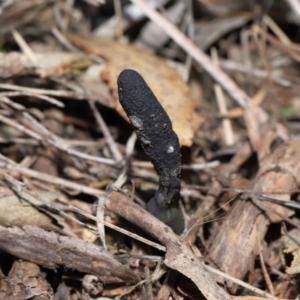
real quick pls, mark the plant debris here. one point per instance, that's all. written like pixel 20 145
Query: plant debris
pixel 205 205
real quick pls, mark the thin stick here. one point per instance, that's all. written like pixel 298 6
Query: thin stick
pixel 196 166
pixel 199 166
pixel 277 43
pixel 129 151
pixel 277 30
pixel 240 283
pixel 263 265
pixel 100 216
pixel 126 232
pixel 24 46
pixel 295 6
pixel 35 91
pixel 42 97
pixel 61 38
pixel 103 127
pixel 14 124
pixel 259 73
pixel 28 141
pixel 13 104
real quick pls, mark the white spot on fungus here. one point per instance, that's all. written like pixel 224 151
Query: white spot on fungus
pixel 170 149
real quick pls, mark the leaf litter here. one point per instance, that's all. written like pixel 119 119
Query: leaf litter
pixel 60 153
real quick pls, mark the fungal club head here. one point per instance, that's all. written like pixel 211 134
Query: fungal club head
pixel 154 130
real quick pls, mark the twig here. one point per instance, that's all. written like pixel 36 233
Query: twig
pixel 226 123
pixel 241 283
pixel 126 232
pixel 35 91
pixel 259 73
pixel 14 105
pixel 277 30
pixel 24 46
pixel 61 38
pixel 22 141
pixel 103 127
pixel 100 216
pixel 196 166
pixel 20 127
pixel 82 143
pixel 277 43
pixel 199 166
pixel 130 16
pixel 117 156
pixel 262 263
pixel 246 57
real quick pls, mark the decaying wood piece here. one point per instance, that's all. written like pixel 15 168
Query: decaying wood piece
pixel 178 256
pixel 50 249
pixel 236 244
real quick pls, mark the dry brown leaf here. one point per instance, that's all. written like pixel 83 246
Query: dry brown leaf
pixel 15 211
pixel 248 298
pixel 279 174
pixel 251 113
pixel 165 82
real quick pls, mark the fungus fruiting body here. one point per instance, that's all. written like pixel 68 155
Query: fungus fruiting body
pixel 159 141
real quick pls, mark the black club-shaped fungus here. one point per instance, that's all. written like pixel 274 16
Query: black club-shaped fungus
pixel 159 141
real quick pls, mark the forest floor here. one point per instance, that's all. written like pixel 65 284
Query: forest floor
pixel 75 178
